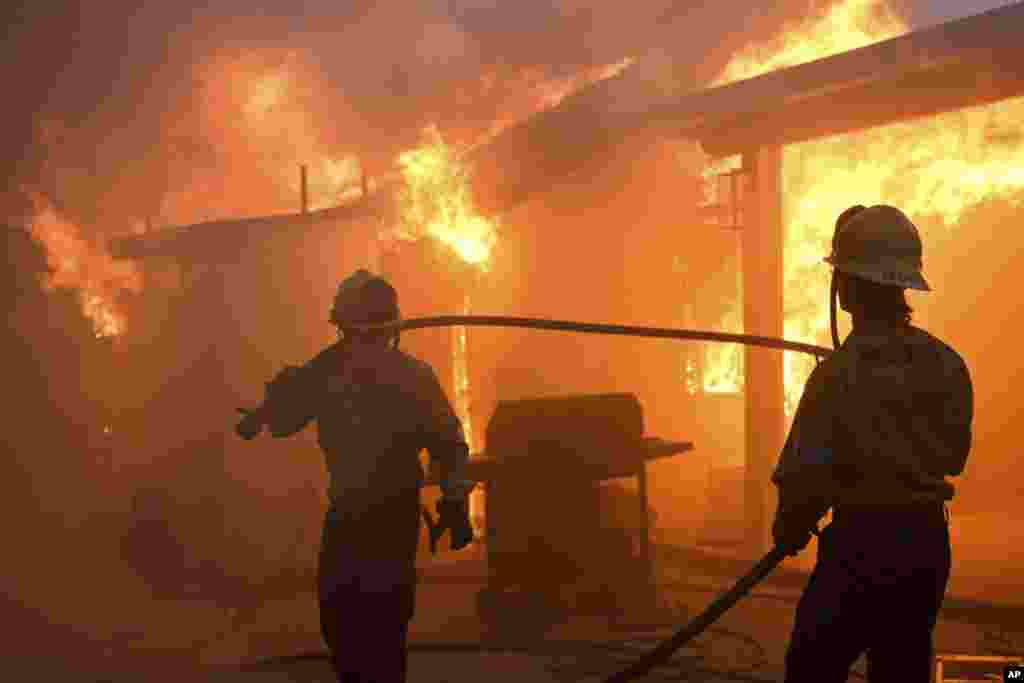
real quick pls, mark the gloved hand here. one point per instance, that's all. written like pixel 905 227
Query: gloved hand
pixel 251 424
pixel 789 536
pixel 282 382
pixel 453 515
pixel 797 516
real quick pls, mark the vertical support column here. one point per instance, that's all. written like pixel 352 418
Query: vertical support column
pixel 762 315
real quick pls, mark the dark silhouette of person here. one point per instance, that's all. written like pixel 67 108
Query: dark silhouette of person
pixel 882 422
pixel 376 408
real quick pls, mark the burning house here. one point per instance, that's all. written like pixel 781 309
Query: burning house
pixel 705 209
pixel 600 222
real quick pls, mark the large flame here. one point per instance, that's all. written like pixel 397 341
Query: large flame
pixel 845 26
pixel 264 115
pixel 278 118
pixel 437 201
pixel 934 169
pixel 75 263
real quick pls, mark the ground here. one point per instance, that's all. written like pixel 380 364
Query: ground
pixel 264 641
pixel 277 640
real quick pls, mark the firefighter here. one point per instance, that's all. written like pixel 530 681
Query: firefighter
pixel 882 422
pixel 376 408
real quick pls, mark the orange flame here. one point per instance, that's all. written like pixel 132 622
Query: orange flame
pixel 437 201
pixel 845 26
pixel 75 263
pixel 271 114
pixel 268 114
pixel 277 119
pixel 934 168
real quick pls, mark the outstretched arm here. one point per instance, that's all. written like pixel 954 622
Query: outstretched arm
pixel 289 404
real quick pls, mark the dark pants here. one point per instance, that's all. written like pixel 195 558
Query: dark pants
pixel 877 588
pixel 367 584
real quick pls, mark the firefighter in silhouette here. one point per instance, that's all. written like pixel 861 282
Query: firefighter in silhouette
pixel 376 408
pixel 882 422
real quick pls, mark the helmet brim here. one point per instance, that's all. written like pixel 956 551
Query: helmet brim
pixel 907 280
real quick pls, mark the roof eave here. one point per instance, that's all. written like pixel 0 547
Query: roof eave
pixel 967 62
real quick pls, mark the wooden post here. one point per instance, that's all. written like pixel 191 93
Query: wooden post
pixel 762 241
pixel 303 189
pixel 363 180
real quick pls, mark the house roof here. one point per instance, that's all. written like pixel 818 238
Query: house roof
pixel 970 61
pixel 966 62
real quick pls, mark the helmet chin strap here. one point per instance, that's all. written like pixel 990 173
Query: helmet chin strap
pixel 834 293
pixel 834 288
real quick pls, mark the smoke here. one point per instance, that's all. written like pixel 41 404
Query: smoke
pixel 168 112
pixel 125 122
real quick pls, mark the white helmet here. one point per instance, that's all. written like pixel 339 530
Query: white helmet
pixel 880 244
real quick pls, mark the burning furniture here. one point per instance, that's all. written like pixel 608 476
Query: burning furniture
pixel 550 536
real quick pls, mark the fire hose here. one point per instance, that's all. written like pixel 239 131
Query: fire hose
pixel 593 328
pixel 761 570
pixel 722 604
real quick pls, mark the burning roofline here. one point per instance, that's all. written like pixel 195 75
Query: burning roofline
pixel 967 62
pixel 970 61
pixel 220 241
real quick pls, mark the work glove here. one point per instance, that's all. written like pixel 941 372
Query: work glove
pixel 790 537
pixel 797 521
pixel 283 383
pixel 453 515
pixel 251 424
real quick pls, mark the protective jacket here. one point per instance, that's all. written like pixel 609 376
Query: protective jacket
pixel 883 420
pixel 376 408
